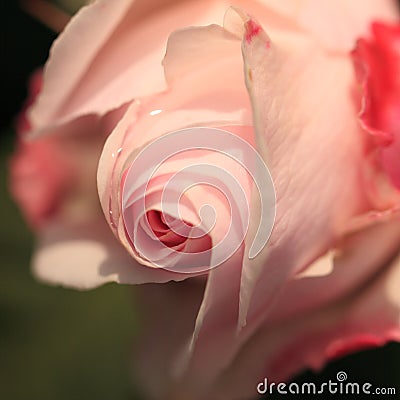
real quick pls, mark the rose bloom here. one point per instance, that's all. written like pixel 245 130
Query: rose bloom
pixel 314 87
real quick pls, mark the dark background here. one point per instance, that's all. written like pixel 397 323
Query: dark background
pixel 63 344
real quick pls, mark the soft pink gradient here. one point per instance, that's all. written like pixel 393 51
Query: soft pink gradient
pixel 378 61
pixel 282 78
pixel 40 172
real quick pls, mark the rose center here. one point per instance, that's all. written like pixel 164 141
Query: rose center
pixel 169 230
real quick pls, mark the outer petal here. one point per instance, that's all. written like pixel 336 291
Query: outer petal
pixel 321 136
pixel 65 68
pixel 167 315
pixel 351 267
pixel 377 62
pixel 364 317
pixel 110 53
pixel 86 255
pixel 351 18
pixel 118 44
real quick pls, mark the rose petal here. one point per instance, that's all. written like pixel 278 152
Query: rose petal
pixel 377 62
pixel 286 122
pixel 210 348
pixel 87 255
pixel 65 68
pixel 167 315
pixel 193 48
pixel 117 44
pixel 365 317
pixel 352 18
pixel 321 267
pixel 91 77
pixel 351 267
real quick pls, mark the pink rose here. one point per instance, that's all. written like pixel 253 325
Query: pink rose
pixel 325 283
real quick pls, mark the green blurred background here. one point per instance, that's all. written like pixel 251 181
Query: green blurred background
pixel 62 344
